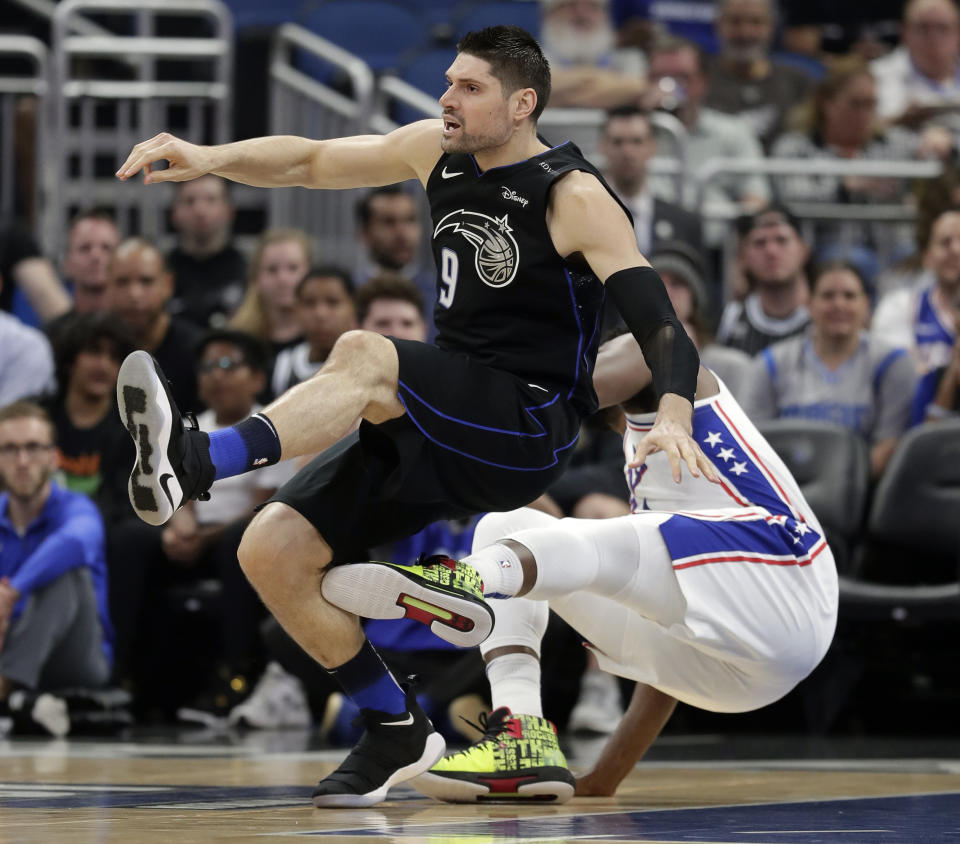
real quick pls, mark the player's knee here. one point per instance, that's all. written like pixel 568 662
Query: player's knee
pixel 495 526
pixel 278 540
pixel 361 351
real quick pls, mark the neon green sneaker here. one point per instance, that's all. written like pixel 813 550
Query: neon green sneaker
pixel 437 591
pixel 517 760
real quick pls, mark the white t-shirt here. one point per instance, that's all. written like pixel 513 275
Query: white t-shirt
pixel 233 498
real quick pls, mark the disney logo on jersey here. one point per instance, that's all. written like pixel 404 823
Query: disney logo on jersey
pixel 510 193
pixel 496 253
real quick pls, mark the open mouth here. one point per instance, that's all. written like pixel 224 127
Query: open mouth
pixel 449 124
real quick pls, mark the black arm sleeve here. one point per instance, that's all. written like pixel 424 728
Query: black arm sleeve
pixel 643 303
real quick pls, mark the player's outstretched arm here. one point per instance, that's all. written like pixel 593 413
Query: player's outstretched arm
pixel 646 716
pixel 285 161
pixel 584 218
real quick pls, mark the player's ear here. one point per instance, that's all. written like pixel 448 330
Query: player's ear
pixel 525 101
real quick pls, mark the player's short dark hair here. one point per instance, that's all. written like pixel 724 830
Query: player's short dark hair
pixel 329 271
pixel 387 285
pixel 83 333
pixel 772 215
pixel 365 205
pixel 515 58
pixel 252 348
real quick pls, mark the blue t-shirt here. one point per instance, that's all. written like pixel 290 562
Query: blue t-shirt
pixel 68 533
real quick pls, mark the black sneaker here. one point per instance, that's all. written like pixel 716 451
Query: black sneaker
pixel 393 749
pixel 173 461
pixel 37 714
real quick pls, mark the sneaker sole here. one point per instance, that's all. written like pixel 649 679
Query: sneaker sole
pixel 548 785
pixel 433 751
pixel 146 412
pixel 373 590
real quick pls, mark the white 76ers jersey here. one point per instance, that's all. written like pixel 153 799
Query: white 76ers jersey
pixel 756 490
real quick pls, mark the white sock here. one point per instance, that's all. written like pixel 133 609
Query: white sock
pixel 515 683
pixel 500 570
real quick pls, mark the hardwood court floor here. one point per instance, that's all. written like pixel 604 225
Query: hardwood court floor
pixel 183 790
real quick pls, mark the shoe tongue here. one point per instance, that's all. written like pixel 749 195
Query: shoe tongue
pixel 497 718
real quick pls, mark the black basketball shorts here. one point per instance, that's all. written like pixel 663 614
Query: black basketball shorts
pixel 474 439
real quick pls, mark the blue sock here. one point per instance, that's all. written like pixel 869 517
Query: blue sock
pixel 248 445
pixel 369 683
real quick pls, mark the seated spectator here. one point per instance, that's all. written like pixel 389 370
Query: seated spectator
pixel 682 272
pixel 392 305
pixel 920 80
pixel 679 84
pixel 743 79
pixel 91 242
pixel 54 627
pixel 773 257
pixel 33 293
pixel 140 287
pixel 627 143
pixel 325 309
pixel 835 371
pixel 938 392
pixel 391 224
pixel 919 319
pixel 94 450
pixel 587 69
pixel 26 360
pixel 840 122
pixel 281 259
pixel 208 270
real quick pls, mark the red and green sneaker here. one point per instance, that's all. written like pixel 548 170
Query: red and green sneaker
pixel 518 760
pixel 437 591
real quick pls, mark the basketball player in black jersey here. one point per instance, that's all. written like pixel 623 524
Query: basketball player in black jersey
pixel 524 237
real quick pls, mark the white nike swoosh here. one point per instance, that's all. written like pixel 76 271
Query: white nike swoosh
pixel 447 175
pixel 405 722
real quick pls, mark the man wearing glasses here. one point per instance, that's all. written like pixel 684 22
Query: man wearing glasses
pixel 55 631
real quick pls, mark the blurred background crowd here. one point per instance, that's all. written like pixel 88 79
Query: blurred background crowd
pixel 793 173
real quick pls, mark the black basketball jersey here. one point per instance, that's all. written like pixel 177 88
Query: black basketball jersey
pixel 505 297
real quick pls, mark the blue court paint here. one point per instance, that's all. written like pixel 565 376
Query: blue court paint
pixel 928 818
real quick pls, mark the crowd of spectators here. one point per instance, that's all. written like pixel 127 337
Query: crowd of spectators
pixel 783 306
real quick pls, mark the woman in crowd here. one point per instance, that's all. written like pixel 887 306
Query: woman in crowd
pixel 268 309
pixel 835 371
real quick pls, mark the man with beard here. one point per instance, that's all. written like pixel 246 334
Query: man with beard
pixel 54 628
pixel 588 70
pixel 773 257
pixel 743 80
pixel 526 240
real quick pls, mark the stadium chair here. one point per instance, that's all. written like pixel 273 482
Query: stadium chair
pixel 913 530
pixel 248 14
pixel 523 13
pixel 378 32
pixel 831 464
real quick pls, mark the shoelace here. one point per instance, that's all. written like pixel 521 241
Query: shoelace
pixel 490 728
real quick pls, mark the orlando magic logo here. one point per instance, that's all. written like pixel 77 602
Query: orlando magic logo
pixel 495 250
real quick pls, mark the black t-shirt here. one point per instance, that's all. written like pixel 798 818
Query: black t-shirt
pixel 177 356
pixel 16 245
pixel 95 461
pixel 506 298
pixel 207 290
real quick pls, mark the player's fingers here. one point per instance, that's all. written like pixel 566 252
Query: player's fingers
pixel 641 451
pixel 709 470
pixel 689 456
pixel 676 462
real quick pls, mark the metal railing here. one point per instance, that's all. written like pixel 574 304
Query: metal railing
pixel 13 90
pixel 302 105
pixel 113 89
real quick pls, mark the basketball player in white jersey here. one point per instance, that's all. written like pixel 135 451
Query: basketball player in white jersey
pixel 723 596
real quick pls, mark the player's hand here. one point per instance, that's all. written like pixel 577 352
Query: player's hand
pixel 674 439
pixel 185 160
pixel 595 784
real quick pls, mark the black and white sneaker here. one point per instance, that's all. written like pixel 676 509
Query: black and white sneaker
pixel 393 749
pixel 173 461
